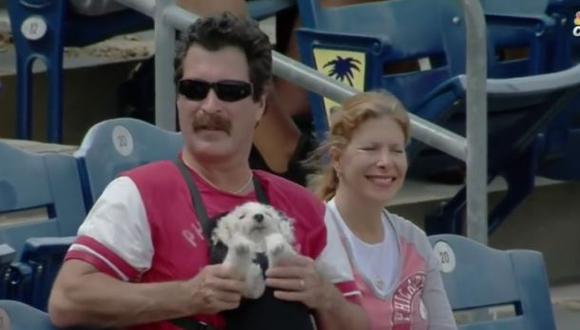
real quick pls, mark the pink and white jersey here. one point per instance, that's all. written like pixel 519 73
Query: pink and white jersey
pixel 415 299
pixel 144 229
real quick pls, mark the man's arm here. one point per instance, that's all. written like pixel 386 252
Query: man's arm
pixel 84 296
pixel 298 280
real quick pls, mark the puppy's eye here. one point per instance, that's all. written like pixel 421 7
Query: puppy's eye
pixel 242 216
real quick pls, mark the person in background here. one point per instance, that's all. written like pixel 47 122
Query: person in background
pixel 394 266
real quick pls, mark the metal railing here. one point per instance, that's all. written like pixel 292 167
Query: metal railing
pixel 476 122
pixel 473 149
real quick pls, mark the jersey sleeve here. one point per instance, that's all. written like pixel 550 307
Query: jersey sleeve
pixel 115 237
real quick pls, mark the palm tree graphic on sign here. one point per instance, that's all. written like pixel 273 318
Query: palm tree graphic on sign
pixel 342 68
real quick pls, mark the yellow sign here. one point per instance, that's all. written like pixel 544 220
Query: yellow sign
pixel 347 67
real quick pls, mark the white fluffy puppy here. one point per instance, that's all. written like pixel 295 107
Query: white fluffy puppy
pixel 249 229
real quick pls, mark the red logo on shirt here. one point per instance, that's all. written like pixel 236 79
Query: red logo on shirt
pixel 405 302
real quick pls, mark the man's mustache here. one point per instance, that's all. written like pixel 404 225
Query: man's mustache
pixel 211 121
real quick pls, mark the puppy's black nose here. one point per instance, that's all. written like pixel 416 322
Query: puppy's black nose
pixel 259 218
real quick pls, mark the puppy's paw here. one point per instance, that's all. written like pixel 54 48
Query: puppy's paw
pixel 242 249
pixel 241 246
pixel 255 283
pixel 277 249
pixel 240 254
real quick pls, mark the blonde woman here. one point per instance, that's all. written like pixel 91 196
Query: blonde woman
pixel 394 267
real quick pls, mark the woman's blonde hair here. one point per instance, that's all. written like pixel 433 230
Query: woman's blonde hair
pixel 344 121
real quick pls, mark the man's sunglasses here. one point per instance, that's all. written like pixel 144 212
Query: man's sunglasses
pixel 226 90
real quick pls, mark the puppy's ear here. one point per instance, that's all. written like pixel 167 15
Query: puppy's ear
pixel 286 227
pixel 231 227
pixel 226 227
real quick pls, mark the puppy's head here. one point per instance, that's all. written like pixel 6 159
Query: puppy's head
pixel 255 221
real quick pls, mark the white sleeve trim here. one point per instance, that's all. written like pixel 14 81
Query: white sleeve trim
pixel 118 221
pixel 86 249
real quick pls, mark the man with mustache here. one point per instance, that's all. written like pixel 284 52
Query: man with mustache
pixel 284 137
pixel 142 255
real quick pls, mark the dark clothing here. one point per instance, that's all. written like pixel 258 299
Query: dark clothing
pixel 296 171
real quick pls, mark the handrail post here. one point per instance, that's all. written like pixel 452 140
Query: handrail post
pixel 165 116
pixel 476 122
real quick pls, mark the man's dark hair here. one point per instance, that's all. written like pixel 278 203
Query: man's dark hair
pixel 216 32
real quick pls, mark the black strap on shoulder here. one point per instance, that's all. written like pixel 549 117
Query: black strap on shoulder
pixel 200 210
pixel 260 193
pixel 198 206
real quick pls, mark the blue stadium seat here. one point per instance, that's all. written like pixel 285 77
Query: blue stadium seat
pixel 559 143
pixel 568 50
pixel 117 145
pixel 479 277
pixel 7 256
pixel 49 25
pixel 15 315
pixel 14 275
pixel 560 159
pixel 416 50
pixel 410 57
pixel 40 196
pixel 45 256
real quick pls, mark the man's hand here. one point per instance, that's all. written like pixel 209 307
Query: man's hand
pixel 296 279
pixel 215 289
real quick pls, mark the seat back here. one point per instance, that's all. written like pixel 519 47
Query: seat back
pixel 568 51
pixel 117 145
pixel 40 195
pixel 395 44
pixel 512 25
pixel 45 256
pixel 15 315
pixel 7 255
pixel 521 36
pixel 411 46
pixel 490 283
